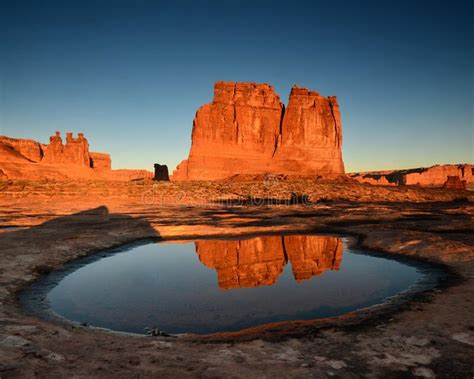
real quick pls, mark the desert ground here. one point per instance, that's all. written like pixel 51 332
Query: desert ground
pixel 44 225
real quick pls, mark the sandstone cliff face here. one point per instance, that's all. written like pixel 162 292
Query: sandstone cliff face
pixel 436 176
pixel 260 261
pixel 75 151
pixel 23 148
pixel 30 160
pixel 311 135
pixel 101 161
pixel 246 130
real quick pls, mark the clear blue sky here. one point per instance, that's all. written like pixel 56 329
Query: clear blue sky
pixel 131 74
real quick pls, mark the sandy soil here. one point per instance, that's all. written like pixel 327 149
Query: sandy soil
pixel 44 225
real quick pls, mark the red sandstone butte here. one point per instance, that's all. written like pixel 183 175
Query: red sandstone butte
pixel 247 130
pixel 450 176
pixel 30 160
pixel 260 261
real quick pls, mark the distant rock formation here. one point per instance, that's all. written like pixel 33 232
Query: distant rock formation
pixel 75 151
pixel 436 176
pixel 13 149
pixel 246 130
pixel 30 160
pixel 101 161
pixel 260 261
pixel 161 173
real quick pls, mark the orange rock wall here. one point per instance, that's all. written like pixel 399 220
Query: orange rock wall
pixel 29 149
pixel 75 151
pixel 30 160
pixel 246 130
pixel 101 161
pixel 311 135
pixel 432 176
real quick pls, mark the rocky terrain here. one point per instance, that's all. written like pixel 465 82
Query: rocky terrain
pixel 451 176
pixel 247 130
pixel 25 159
pixel 45 225
pixel 255 168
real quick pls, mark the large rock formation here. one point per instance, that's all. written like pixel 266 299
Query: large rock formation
pixel 311 135
pixel 260 261
pixel 23 149
pixel 246 130
pixel 436 176
pixel 30 160
pixel 75 151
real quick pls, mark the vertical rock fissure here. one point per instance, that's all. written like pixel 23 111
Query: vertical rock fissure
pixel 279 137
pixel 236 125
pixel 335 122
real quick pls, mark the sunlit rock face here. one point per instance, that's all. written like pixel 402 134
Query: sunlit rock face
pixel 450 176
pixel 260 261
pixel 26 159
pixel 75 151
pixel 311 135
pixel 246 130
pixel 101 161
pixel 17 150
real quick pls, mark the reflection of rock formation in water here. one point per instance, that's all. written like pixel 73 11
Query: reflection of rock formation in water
pixel 259 261
pixel 244 263
pixel 312 255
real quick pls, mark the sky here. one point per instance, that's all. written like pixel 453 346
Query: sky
pixel 131 74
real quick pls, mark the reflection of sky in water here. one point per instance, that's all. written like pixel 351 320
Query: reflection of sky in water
pixel 165 285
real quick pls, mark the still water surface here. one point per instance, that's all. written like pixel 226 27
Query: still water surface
pixel 224 285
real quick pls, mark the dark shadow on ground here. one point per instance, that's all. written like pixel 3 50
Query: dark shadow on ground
pixel 49 245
